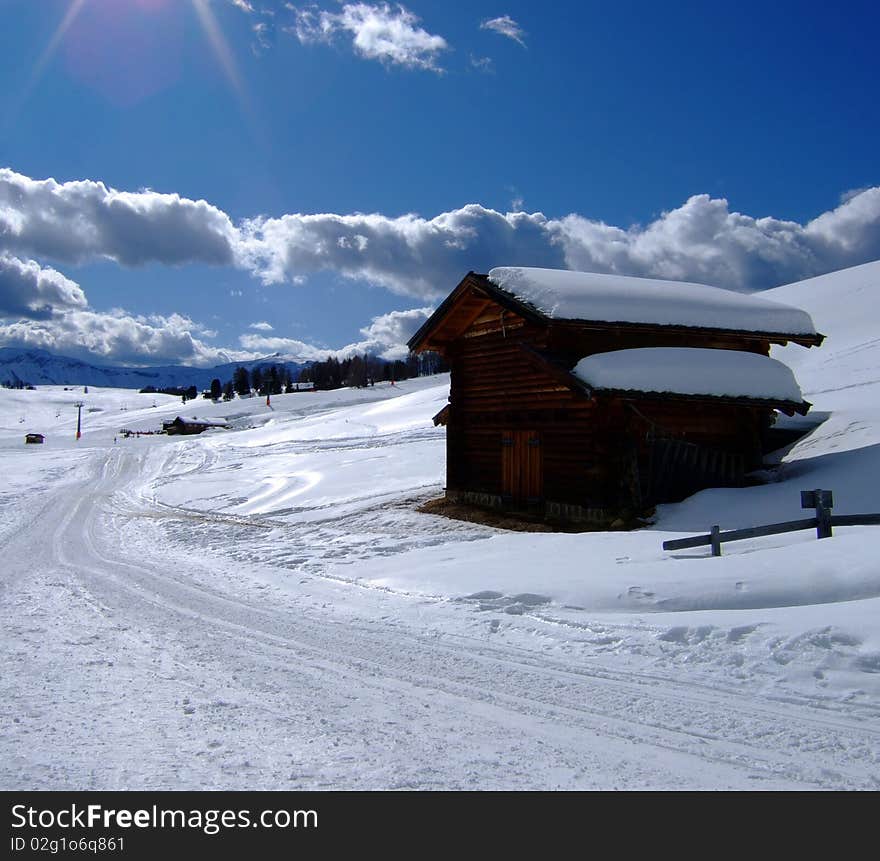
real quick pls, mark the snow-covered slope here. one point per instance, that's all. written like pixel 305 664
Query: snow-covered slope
pixel 272 588
pixel 348 458
pixel 844 306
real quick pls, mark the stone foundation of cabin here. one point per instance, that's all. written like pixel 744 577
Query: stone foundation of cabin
pixel 471 497
pixel 579 513
pixel 548 511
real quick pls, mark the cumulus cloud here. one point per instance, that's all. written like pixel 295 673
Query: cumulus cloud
pixel 505 26
pixel 378 31
pixel 386 337
pixel 408 255
pixel 79 221
pixel 704 241
pixel 701 240
pixel 289 348
pixel 75 222
pixel 261 326
pixel 119 337
pixel 29 290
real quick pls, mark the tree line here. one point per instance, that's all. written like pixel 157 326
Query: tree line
pixel 366 370
pixel 332 373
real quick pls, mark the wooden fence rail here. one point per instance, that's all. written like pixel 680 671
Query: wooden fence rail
pixel 823 522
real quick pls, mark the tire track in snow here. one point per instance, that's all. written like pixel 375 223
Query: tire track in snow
pixel 589 718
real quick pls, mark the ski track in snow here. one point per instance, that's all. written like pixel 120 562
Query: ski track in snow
pixel 140 661
pixel 264 608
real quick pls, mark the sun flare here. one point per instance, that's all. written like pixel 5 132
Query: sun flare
pixel 207 21
pixel 220 46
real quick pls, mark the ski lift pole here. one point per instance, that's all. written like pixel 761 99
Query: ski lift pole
pixel 79 405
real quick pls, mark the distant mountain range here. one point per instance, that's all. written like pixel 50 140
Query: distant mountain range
pixel 42 368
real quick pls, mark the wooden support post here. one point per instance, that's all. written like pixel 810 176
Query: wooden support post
pixel 823 502
pixel 715 539
pixel 823 518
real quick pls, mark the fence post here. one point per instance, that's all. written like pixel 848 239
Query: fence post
pixel 715 540
pixel 823 516
pixel 823 502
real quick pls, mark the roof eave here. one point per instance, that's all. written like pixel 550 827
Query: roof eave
pixel 530 312
pixel 806 339
pixel 787 407
pixel 780 338
pixel 481 282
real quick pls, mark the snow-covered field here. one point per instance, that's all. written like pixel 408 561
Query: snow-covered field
pixel 263 607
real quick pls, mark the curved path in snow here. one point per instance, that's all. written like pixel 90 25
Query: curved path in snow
pixel 129 663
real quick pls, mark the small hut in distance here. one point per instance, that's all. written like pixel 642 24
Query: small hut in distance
pixel 34 438
pixel 588 397
pixel 183 425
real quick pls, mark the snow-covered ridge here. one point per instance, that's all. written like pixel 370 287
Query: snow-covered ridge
pixel 691 371
pixel 566 295
pixel 844 306
pixel 42 368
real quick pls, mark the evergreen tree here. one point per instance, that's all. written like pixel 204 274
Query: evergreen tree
pixel 216 389
pixel 273 381
pixel 241 381
pixel 257 380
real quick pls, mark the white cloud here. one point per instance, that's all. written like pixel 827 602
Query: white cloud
pixel 244 5
pixel 701 240
pixel 704 241
pixel 263 34
pixel 379 31
pixel 262 327
pixel 28 290
pixel 386 337
pixel 505 26
pixel 117 336
pixel 483 64
pixel 78 221
pixel 408 255
pixel 853 192
pixel 288 348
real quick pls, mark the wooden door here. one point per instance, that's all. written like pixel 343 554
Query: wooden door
pixel 522 474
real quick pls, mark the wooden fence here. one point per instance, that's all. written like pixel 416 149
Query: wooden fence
pixel 822 521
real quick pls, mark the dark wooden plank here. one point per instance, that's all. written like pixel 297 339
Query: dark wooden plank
pixel 855 519
pixel 740 534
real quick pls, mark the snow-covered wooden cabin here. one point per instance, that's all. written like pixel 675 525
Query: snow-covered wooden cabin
pixel 185 425
pixel 594 397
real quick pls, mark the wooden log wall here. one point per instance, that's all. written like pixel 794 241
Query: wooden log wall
pixel 594 453
pixel 575 341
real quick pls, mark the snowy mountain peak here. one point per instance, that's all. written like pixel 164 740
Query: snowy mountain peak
pixel 40 367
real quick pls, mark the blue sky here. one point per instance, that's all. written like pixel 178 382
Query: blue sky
pixel 333 169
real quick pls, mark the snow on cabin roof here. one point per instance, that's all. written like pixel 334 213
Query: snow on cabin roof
pixel 565 295
pixel 192 420
pixel 691 371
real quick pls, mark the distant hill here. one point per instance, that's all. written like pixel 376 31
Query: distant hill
pixel 42 368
